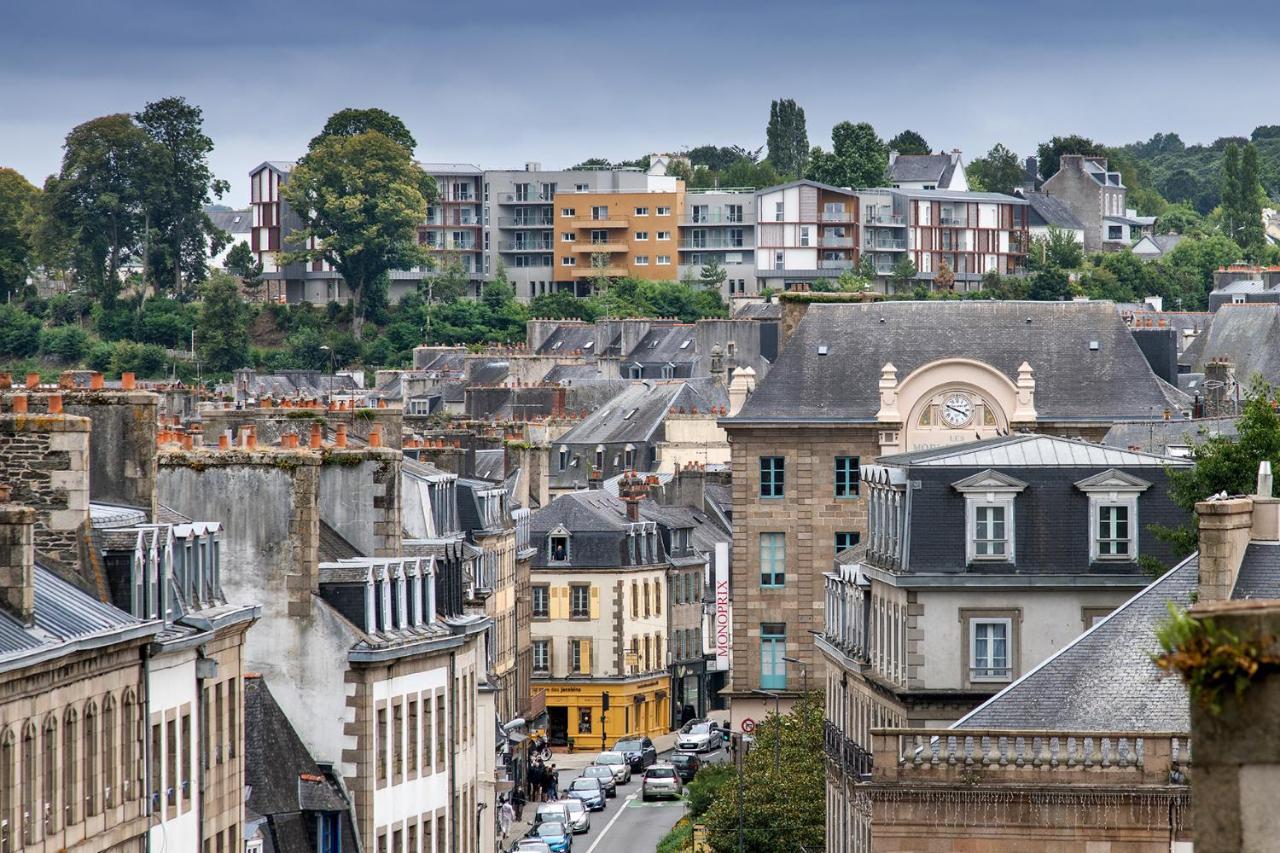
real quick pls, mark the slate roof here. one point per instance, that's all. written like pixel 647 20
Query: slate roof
pixel 1156 436
pixel 958 195
pixel 334 547
pixel 1242 285
pixel 936 168
pixel 1113 383
pixel 1027 451
pixel 666 345
pixel 1163 243
pixel 635 413
pixel 571 372
pixel 66 619
pixel 490 464
pixel 232 221
pixel 1104 680
pixel 568 337
pixel 758 311
pixel 1259 572
pixel 1246 335
pixel 1049 210
pixel 488 372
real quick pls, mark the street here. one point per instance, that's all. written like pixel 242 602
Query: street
pixel 628 825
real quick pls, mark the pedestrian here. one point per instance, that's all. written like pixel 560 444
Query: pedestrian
pixel 506 816
pixel 518 799
pixel 536 781
pixel 553 782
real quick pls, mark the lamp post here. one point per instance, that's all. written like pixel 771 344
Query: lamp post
pixel 804 672
pixel 328 349
pixel 777 738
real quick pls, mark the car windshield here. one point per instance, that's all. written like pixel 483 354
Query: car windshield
pixel 553 809
pixel 610 758
pixel 700 729
pixel 584 785
pixel 659 773
pixel 682 759
pixel 596 772
pixel 551 829
pixel 575 806
pixel 629 745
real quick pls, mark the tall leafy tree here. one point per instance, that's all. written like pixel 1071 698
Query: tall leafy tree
pixel 858 157
pixel 1253 236
pixel 1231 191
pixel 998 171
pixel 222 331
pixel 361 199
pixel 100 197
pixel 909 142
pixel 712 276
pixel 181 235
pixel 18 199
pixel 353 121
pixel 1050 153
pixel 787 138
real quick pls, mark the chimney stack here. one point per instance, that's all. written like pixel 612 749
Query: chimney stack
pixel 17 559
pixel 1225 525
pixel 744 382
pixel 632 488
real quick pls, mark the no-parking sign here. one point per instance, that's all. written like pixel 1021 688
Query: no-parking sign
pixel 748 725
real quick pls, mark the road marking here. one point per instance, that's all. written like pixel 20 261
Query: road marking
pixel 608 826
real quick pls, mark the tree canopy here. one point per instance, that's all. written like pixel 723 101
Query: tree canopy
pixel 1050 153
pixel 355 121
pixel 787 138
pixel 909 142
pixel 222 331
pixel 858 158
pixel 18 200
pixel 998 171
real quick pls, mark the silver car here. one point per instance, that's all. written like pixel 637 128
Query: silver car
pixel 579 816
pixel 660 780
pixel 699 736
pixel 617 762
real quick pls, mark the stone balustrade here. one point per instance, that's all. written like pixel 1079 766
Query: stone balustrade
pixel 1039 757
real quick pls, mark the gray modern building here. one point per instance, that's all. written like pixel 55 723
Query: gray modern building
pixel 719 225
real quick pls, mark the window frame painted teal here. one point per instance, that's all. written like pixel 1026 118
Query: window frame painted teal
pixel 773 477
pixel 773 648
pixel 777 555
pixel 857 538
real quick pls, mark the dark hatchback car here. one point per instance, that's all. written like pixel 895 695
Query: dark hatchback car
pixel 686 764
pixel 639 751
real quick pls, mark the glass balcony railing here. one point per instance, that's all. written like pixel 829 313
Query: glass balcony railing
pixel 525 222
pixel 525 247
pixel 840 264
pixel 836 216
pixel 711 243
pixel 711 217
pixel 836 242
pixel 885 245
pixel 530 197
pixel 883 219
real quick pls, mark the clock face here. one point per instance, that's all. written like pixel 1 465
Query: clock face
pixel 957 410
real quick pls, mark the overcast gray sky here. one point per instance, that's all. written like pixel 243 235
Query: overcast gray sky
pixel 498 83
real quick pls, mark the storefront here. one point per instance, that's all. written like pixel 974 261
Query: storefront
pixel 576 712
pixel 689 689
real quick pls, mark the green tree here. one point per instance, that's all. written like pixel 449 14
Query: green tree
pixel 241 261
pixel 354 121
pixel 787 138
pixel 718 158
pixel 1049 285
pixel 909 142
pixel 222 331
pixel 562 306
pixel 858 158
pixel 70 344
pixel 1200 258
pixel 1179 218
pixel 1252 237
pixel 19 332
pixel 100 196
pixel 1050 153
pixel 1231 192
pixel 361 199
pixel 180 185
pixel 783 801
pixel 48 236
pixel 18 200
pixel 1058 248
pixel 998 171
pixel 903 273
pixel 678 168
pixel 712 276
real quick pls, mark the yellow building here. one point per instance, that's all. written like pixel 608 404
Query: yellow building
pixel 599 624
pixel 615 234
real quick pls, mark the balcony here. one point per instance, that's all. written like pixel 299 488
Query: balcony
pixel 461 199
pixel 697 244
pixel 844 753
pixel 712 218
pixel 953 222
pixel 836 242
pixel 839 265
pixel 525 222
pixel 526 198
pixel 611 222
pixel 835 216
pixel 881 244
pixel 450 246
pixel 893 219
pixel 525 247
pixel 598 247
pixel 598 272
pixel 455 223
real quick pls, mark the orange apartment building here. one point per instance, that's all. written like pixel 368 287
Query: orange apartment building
pixel 616 234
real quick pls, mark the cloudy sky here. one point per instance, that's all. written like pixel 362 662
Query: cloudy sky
pixel 498 83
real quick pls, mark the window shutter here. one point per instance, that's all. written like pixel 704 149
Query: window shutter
pixel 559 602
pixel 585 656
pixel 595 602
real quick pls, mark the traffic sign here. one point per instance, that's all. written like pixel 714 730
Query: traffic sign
pixel 748 725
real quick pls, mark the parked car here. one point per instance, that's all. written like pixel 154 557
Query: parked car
pixel 699 736
pixel 531 845
pixel 605 775
pixel 555 835
pixel 660 780
pixel 590 791
pixel 687 764
pixel 617 762
pixel 556 811
pixel 579 817
pixel 639 751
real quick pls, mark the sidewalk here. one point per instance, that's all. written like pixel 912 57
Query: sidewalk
pixel 570 766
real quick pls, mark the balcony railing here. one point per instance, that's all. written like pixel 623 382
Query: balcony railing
pixel 881 244
pixel 883 219
pixel 1115 758
pixel 526 247
pixel 598 247
pixel 714 217
pixel 836 242
pixel 711 243
pixel 836 216
pixel 835 265
pixel 606 222
pixel 525 222
pixel 450 246
pixel 954 222
pixel 844 753
pixel 527 198
pixel 454 223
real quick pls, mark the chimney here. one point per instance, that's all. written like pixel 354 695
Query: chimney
pixel 744 382
pixel 17 559
pixel 632 488
pixel 717 364
pixel 955 156
pixel 1225 525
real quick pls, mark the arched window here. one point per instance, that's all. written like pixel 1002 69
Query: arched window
pixel 128 748
pixel 90 759
pixel 69 768
pixel 29 818
pixel 7 776
pixel 109 751
pixel 49 774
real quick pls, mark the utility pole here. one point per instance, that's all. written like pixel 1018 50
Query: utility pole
pixel 777 738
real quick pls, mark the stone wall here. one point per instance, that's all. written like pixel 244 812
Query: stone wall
pixel 122 444
pixel 45 458
pixel 360 498
pixel 270 424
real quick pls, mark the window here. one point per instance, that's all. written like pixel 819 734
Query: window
pixel 778 209
pixel 48 773
pixel 664 235
pixel 779 261
pixel 846 476
pixel 427 738
pixel 577 659
pixel 568 262
pixel 846 540
pixel 128 736
pixel 218 718
pixel 69 767
pixel 579 601
pixel 584 721
pixel 804 235
pixel 568 211
pixel 599 236
pixel 29 820
pixel 558 547
pixel 989 649
pixel 990 538
pixel 773 560
pixel 642 260
pixel 642 235
pixel 600 212
pixel 664 260
pixel 397 740
pixel 541 602
pixel 773 648
pixel 635 600
pixel 1115 232
pixel 1093 615
pixel 91 759
pixel 330 837
pixel 733 213
pixel 185 749
pixel 170 764
pixel 568 237
pixel 664 211
pixel 642 211
pixel 644 585
pixel 232 705
pixel 383 740
pixel 1113 533
pixel 541 655
pixel 564 458
pixel 411 734
pixel 441 733
pixel 8 784
pixel 772 476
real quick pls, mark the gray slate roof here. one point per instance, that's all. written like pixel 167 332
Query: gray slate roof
pixel 1259 572
pixel 758 311
pixel 666 345
pixel 563 372
pixel 1029 450
pixel 636 412
pixel 1105 679
pixel 922 167
pixel 1048 210
pixel 1246 335
pixel 232 221
pixel 568 337
pixel 1113 383
pixel 1156 436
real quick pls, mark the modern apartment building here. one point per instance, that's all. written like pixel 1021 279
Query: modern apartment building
pixel 453 233
pixel 618 233
pixel 719 226
pixel 805 231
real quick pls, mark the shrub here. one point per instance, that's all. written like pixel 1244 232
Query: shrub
pixel 19 333
pixel 143 359
pixel 68 343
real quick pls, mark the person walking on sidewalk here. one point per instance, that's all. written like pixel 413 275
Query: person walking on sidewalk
pixel 506 816
pixel 553 782
pixel 518 799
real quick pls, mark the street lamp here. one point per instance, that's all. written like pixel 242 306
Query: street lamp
pixel 777 739
pixel 328 349
pixel 804 672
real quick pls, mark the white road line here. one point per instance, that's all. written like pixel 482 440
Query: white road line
pixel 608 826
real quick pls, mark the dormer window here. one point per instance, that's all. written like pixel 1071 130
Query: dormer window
pixel 1113 515
pixel 989 516
pixel 600 457
pixel 558 545
pixel 629 457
